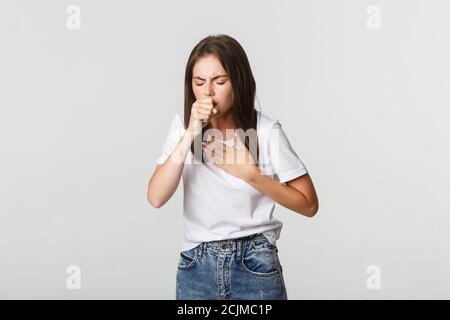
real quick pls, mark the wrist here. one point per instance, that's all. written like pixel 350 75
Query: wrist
pixel 192 133
pixel 188 136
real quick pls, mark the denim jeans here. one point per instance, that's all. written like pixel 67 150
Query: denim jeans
pixel 233 269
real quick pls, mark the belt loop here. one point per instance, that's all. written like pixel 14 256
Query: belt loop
pixel 243 246
pixel 200 250
pixel 238 249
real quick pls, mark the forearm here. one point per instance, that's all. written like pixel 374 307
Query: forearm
pixel 282 194
pixel 166 177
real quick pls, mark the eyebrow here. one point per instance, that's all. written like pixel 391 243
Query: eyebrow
pixel 219 76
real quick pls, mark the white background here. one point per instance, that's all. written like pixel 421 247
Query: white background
pixel 84 114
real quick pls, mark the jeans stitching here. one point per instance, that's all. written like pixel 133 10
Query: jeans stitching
pixel 259 274
pixel 190 264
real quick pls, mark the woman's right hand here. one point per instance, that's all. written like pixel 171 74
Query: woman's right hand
pixel 166 177
pixel 201 113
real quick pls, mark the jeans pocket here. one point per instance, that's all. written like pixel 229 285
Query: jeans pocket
pixel 259 240
pixel 187 259
pixel 261 262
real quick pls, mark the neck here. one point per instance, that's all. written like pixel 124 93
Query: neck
pixel 224 122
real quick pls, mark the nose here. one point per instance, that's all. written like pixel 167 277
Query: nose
pixel 208 90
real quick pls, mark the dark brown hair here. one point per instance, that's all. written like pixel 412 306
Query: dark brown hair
pixel 235 62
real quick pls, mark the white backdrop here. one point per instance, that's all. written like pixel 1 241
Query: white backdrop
pixel 360 87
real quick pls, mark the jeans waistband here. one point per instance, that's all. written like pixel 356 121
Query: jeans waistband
pixel 230 245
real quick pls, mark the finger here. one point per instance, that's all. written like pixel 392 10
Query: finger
pixel 204 145
pixel 208 148
pixel 212 149
pixel 216 144
pixel 219 151
pixel 215 159
pixel 205 106
pixel 203 111
pixel 208 158
pixel 205 100
pixel 209 111
pixel 211 154
pixel 217 156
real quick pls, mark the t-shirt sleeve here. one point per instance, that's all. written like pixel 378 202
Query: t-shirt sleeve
pixel 174 135
pixel 286 164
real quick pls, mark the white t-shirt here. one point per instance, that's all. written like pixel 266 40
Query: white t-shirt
pixel 218 205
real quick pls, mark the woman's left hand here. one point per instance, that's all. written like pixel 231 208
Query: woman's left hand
pixel 236 161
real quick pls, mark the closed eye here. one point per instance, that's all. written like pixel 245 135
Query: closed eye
pixel 219 83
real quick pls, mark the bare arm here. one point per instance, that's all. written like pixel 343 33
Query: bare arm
pixel 165 179
pixel 298 195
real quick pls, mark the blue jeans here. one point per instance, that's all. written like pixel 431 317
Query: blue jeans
pixel 234 269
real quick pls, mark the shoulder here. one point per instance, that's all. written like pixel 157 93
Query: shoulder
pixel 176 128
pixel 177 122
pixel 179 118
pixel 266 123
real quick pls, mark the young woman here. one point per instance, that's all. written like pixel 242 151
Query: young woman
pixel 231 183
